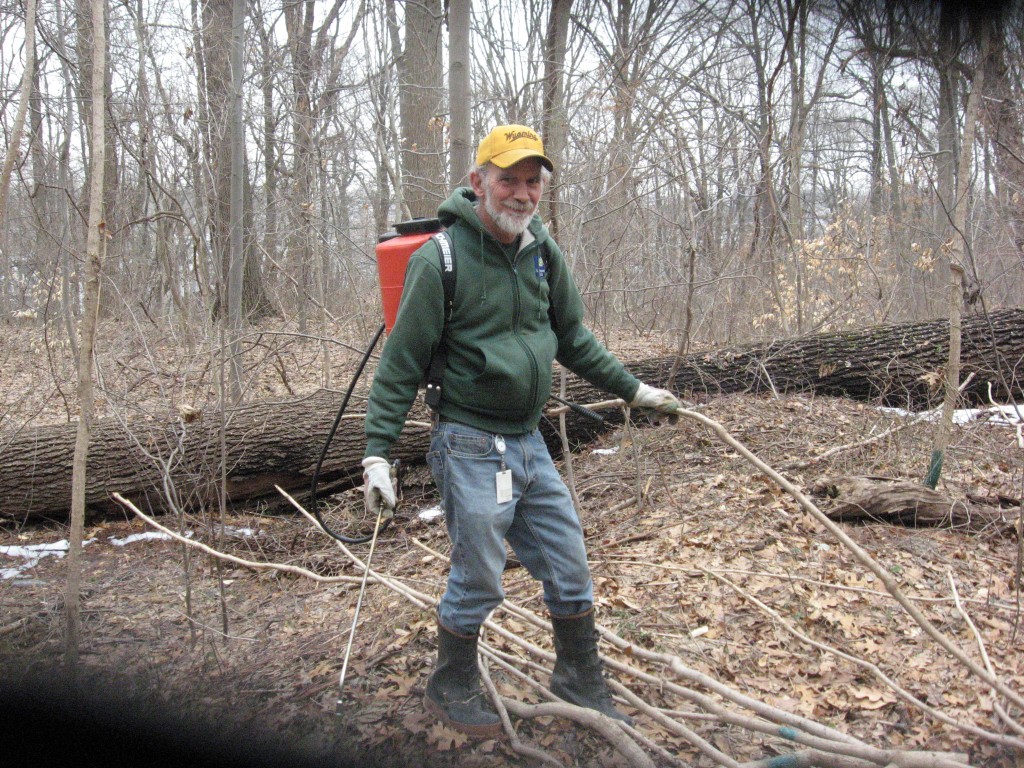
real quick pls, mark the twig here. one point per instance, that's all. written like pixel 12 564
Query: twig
pixel 768 376
pixel 791 577
pixel 258 566
pixel 674 726
pixel 613 733
pixel 819 739
pixel 515 743
pixel 923 416
pixel 419 599
pixel 602 405
pixel 811 758
pixel 7 629
pixel 836 747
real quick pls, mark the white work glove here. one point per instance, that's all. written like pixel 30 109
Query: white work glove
pixel 661 400
pixel 378 492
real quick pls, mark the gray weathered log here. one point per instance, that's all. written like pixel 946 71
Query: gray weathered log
pixel 903 502
pixel 278 443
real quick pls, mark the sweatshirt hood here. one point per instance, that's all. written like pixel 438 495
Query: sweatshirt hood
pixel 461 207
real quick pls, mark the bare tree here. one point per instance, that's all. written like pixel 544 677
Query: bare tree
pixel 725 167
pixel 96 235
pixel 236 202
pixel 554 118
pixel 27 76
pixel 215 48
pixel 1004 130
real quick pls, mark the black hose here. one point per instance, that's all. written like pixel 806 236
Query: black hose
pixel 327 444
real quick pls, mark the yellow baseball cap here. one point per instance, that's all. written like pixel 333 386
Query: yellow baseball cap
pixel 506 145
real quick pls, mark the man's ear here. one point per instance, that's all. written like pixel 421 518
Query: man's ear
pixel 476 180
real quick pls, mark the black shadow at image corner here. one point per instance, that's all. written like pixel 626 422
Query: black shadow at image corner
pixel 48 723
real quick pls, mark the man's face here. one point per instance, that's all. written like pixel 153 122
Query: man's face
pixel 508 197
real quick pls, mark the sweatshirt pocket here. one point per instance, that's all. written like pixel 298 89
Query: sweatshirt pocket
pixel 508 380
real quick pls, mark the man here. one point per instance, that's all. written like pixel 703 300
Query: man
pixel 516 310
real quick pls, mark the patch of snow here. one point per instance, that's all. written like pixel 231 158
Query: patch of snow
pixel 149 535
pixel 431 513
pixel 999 414
pixel 32 554
pixel 605 451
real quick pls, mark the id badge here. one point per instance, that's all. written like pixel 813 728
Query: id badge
pixel 503 483
pixel 502 479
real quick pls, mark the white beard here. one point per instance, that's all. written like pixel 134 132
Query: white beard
pixel 512 223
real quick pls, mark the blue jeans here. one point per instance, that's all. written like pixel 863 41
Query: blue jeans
pixel 539 523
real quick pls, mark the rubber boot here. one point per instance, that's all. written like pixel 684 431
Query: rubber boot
pixel 454 693
pixel 577 675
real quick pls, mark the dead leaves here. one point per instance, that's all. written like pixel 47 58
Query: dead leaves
pixel 704 513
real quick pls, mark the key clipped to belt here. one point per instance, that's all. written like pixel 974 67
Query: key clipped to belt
pixel 503 479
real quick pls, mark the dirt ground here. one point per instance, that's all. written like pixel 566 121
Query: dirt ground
pixel 693 552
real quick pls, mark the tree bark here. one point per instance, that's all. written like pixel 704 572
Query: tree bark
pixel 420 106
pixel 27 78
pixel 214 56
pixel 278 443
pixel 898 365
pixel 555 120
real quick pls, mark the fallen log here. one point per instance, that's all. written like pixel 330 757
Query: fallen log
pixel 277 443
pixel 899 365
pixel 266 443
pixel 863 499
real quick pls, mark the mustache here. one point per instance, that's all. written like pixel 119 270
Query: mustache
pixel 519 207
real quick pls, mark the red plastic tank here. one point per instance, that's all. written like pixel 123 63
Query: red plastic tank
pixel 393 252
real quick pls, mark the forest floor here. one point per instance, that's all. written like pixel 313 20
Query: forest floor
pixel 693 552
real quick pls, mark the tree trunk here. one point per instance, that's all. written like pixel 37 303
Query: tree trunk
pixel 554 122
pixel 236 255
pixel 27 78
pixel 270 443
pixel 956 246
pixel 87 27
pixel 216 42
pixel 1004 127
pixel 460 160
pixel 76 484
pixel 420 99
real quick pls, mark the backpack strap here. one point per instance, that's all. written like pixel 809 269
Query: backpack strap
pixel 435 372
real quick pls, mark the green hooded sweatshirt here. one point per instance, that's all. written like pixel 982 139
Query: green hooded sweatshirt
pixel 501 339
